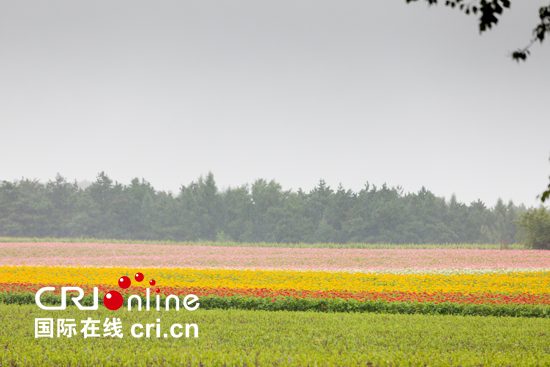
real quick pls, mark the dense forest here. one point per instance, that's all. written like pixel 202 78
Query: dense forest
pixel 262 211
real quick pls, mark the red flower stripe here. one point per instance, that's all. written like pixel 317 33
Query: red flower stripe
pixel 392 296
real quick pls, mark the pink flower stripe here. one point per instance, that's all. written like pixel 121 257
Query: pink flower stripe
pixel 196 256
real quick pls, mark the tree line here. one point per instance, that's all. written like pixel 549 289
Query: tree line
pixel 259 212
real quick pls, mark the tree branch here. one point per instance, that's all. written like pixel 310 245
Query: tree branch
pixel 490 9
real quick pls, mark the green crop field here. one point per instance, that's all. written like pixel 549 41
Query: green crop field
pixel 250 338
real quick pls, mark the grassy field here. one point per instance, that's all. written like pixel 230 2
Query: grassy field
pixel 487 246
pixel 250 338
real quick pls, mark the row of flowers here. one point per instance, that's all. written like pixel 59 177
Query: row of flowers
pixel 514 282
pixel 388 296
pixel 188 256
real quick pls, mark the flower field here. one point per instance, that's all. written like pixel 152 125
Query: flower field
pixel 388 296
pixel 432 276
pixel 530 282
pixel 200 256
pixel 285 306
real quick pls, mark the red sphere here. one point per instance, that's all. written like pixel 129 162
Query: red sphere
pixel 152 282
pixel 124 282
pixel 113 300
pixel 158 290
pixel 139 277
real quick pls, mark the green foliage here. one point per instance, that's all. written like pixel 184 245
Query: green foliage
pixel 545 195
pixel 261 212
pixel 535 229
pixel 258 338
pixel 320 305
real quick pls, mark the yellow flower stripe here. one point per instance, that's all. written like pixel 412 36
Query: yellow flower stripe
pixel 535 282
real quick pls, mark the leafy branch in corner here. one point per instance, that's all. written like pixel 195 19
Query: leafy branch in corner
pixel 545 195
pixel 490 10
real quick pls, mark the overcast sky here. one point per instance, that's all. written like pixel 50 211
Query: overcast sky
pixel 296 91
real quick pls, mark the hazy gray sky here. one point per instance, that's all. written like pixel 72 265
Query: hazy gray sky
pixel 347 91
